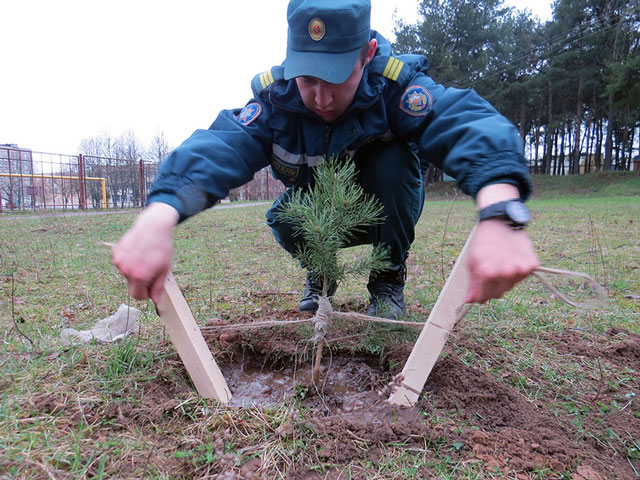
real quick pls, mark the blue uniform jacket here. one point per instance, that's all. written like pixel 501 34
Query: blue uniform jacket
pixel 453 129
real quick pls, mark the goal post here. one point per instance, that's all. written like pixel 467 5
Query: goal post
pixel 34 176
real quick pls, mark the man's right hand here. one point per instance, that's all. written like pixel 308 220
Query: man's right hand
pixel 144 253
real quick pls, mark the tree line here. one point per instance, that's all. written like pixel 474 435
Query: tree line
pixel 126 147
pixel 118 160
pixel 571 84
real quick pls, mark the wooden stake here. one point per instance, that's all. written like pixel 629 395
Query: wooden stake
pixel 189 342
pixel 435 332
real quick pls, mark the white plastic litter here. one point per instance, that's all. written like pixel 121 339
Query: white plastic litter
pixel 110 329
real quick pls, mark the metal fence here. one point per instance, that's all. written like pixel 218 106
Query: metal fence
pixel 38 181
pixel 263 187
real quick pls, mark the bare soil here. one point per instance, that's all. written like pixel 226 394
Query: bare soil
pixel 510 433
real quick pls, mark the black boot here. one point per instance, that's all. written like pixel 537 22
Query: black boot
pixel 386 293
pixel 312 291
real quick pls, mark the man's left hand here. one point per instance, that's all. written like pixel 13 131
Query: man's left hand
pixel 499 257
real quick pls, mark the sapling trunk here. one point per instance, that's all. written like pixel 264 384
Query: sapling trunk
pixel 320 344
pixel 322 318
pixel 318 362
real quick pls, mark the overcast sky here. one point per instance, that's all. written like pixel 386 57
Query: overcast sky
pixel 72 69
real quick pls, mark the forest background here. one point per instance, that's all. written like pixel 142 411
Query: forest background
pixel 571 85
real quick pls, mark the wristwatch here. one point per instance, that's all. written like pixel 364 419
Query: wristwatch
pixel 513 211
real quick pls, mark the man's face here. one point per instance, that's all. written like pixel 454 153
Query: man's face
pixel 330 100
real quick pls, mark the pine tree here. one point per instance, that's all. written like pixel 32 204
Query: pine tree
pixel 327 218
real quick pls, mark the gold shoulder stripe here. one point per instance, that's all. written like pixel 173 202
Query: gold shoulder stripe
pixel 266 79
pixel 392 70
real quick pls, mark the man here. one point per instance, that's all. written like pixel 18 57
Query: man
pixel 341 92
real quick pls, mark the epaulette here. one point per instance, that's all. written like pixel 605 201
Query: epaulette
pixel 262 81
pixel 389 67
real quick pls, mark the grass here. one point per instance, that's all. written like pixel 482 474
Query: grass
pixel 601 184
pixel 105 411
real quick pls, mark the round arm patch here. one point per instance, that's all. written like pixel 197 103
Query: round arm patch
pixel 249 113
pixel 416 100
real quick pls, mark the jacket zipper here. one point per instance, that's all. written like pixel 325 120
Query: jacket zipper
pixel 327 139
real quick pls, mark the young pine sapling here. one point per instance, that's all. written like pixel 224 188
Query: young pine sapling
pixel 326 218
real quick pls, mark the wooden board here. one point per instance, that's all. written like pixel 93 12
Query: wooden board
pixel 434 334
pixel 189 342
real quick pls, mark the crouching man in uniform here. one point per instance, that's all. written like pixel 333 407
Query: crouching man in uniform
pixel 341 92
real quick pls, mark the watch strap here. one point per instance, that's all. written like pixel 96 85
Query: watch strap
pixel 505 210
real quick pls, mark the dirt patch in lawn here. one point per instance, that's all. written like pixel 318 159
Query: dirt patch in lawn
pixel 501 427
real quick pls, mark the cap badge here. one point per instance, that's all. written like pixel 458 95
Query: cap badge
pixel 316 29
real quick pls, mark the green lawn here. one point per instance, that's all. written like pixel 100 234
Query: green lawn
pixel 127 410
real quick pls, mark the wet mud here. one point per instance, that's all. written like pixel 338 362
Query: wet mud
pixel 346 385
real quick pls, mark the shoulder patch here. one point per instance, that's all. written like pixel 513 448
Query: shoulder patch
pixel 393 68
pixel 416 101
pixel 249 113
pixel 266 79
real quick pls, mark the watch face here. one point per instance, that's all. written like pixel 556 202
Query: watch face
pixel 518 212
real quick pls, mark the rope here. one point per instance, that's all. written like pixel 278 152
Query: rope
pixel 322 318
pixel 367 318
pixel 597 301
pixel 600 291
pixel 321 321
